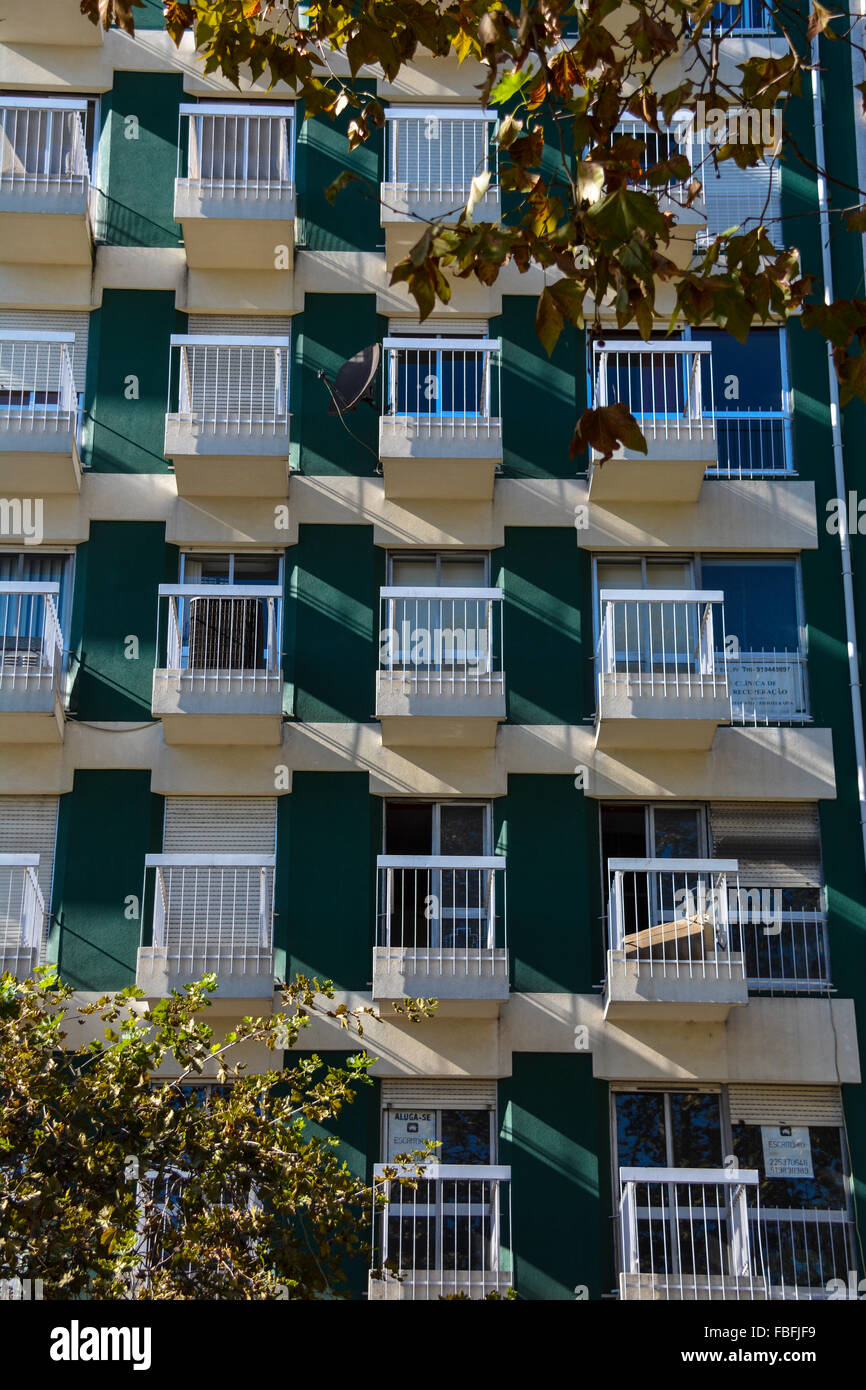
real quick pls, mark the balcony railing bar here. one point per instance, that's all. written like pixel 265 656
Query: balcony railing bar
pixel 222 636
pixel 31 641
pixel 42 146
pixel 440 912
pixel 444 641
pixel 37 385
pixel 663 641
pixel 212 911
pixel 236 150
pixel 442 387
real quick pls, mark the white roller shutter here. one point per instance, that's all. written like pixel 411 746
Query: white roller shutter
pixel 437 326
pixel 53 321
pixel 207 910
pixel 241 325
pixel 28 825
pixel 777 844
pixel 220 825
pixel 785 1105
pixel 739 197
pixel 414 1094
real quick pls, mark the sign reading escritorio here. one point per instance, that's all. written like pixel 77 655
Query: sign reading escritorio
pixel 409 1130
pixel 787 1151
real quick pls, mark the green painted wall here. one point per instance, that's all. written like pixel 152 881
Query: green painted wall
pixel 542 397
pixel 334 577
pixel 351 221
pixel 106 825
pixel 548 1113
pixel 828 664
pixel 130 338
pixel 541 826
pixel 329 831
pixel 136 175
pixel 546 612
pixel 332 328
pixel 126 561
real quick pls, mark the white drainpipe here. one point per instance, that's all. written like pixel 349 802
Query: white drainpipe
pixel 838 460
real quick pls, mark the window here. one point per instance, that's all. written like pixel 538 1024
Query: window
pixel 765 637
pixel 234 633
pixel 749 397
pixel 448 382
pixel 447 633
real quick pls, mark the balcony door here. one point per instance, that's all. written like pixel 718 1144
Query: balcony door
pixel 449 907
pixel 232 633
pixel 648 638
pixel 666 831
pixel 440 636
pixel 448 1224
pixel 673 1231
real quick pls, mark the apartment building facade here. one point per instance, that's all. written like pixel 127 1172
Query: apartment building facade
pixel 320 655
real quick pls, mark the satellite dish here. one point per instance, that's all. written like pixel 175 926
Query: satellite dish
pixel 354 381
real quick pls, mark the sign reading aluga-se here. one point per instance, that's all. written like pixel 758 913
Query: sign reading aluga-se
pixel 409 1130
pixel 787 1151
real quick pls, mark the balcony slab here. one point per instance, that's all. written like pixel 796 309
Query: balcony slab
pixel 37 460
pixel 31 716
pixel 459 717
pixel 46 228
pixel 629 718
pixel 667 995
pixel 157 976
pixel 224 229
pixel 467 988
pixel 226 465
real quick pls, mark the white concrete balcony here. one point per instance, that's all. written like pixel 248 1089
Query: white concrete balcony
pixel 227 424
pixel 434 153
pixel 38 414
pixel 441 932
pixel 222 683
pixel 703 1234
pixel 208 913
pixel 446 1236
pixel 667 387
pixel 662 669
pixel 31 663
pixel 669 944
pixel 440 681
pixel 22 915
pixel 440 431
pixel 44 180
pixel 234 195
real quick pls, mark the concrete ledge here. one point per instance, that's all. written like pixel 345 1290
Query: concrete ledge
pixel 158 976
pixel 31 716
pixel 699 995
pixel 475 987
pixel 34 461
pixel 630 718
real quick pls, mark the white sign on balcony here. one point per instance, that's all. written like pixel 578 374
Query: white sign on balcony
pixel 766 686
pixel 409 1130
pixel 787 1151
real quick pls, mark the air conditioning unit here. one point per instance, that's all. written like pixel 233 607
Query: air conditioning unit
pixel 227 634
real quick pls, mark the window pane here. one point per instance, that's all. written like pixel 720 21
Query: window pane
pixel 465 1136
pixel 696 1136
pixel 640 1130
pixel 461 830
pixel 760 603
pixel 677 832
pixel 746 376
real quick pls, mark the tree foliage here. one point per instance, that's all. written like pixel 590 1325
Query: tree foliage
pixel 118 1183
pixel 590 204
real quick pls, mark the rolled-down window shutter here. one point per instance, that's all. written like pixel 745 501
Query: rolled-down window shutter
pixel 785 1105
pixel 739 197
pixel 413 1094
pixel 437 327
pixel 55 321
pixel 28 825
pixel 220 825
pixel 228 385
pixel 777 845
pixel 203 905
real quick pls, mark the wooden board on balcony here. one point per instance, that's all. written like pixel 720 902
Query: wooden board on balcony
pixel 662 941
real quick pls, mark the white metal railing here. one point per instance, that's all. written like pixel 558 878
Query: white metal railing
pixel 749 17
pixel 223 637
pixel 659 146
pixel 666 386
pixel 31 641
pixel 696 1233
pixel 37 386
pixel 786 950
pixel 42 145
pixel 436 154
pixel 442 641
pixel 665 642
pixel 234 150
pixel 753 443
pixel 670 917
pixel 211 912
pixel 768 687
pixel 230 386
pixel 442 387
pixel 22 912
pixel 441 912
pixel 448 1233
